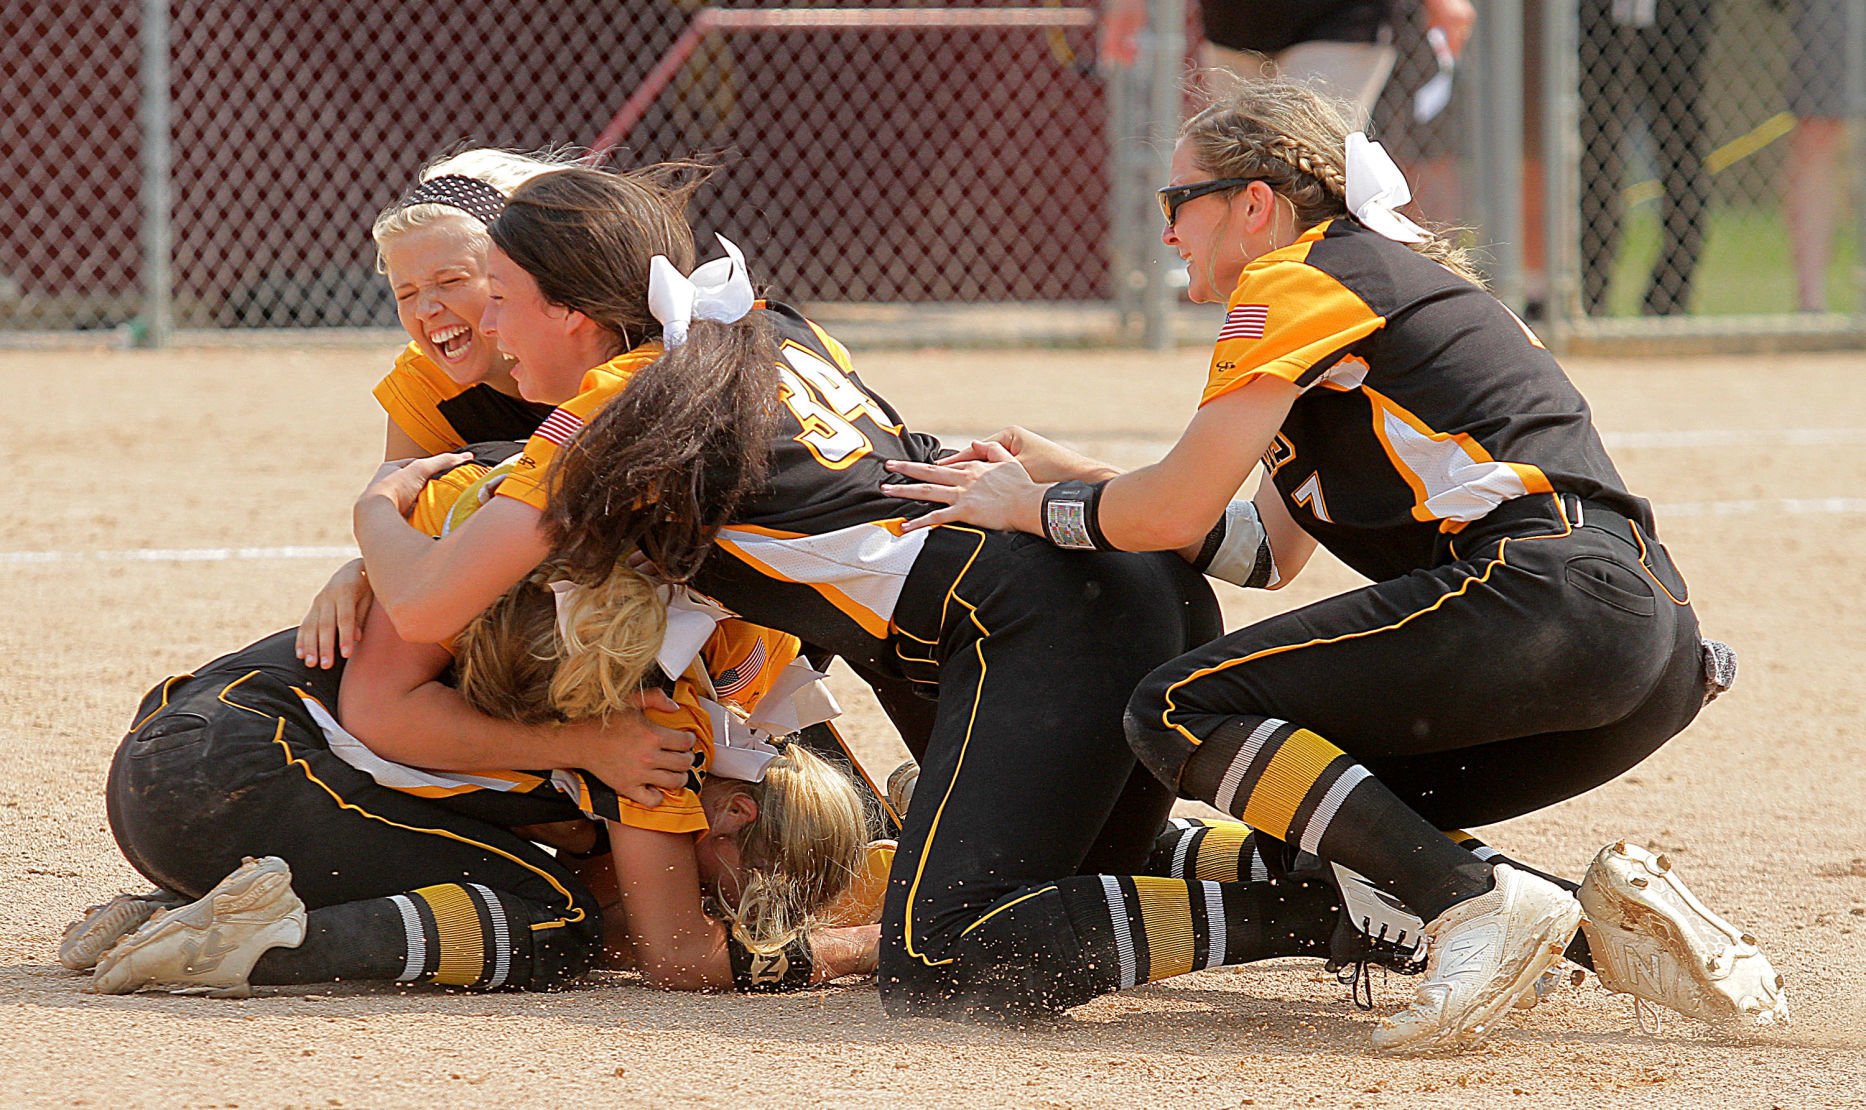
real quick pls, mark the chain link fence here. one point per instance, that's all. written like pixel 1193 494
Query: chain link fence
pixel 1712 157
pixel 70 255
pixel 932 154
pixel 215 164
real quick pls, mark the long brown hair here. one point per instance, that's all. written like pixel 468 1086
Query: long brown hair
pixel 670 459
pixel 1293 139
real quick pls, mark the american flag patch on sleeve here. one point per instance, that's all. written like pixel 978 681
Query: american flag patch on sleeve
pixel 1246 321
pixel 732 680
pixel 561 427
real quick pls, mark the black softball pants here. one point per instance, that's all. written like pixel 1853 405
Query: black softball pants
pixel 1537 661
pixel 1027 778
pixel 228 762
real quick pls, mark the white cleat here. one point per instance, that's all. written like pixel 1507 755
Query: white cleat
pixel 89 937
pixel 209 946
pixel 1651 938
pixel 1483 953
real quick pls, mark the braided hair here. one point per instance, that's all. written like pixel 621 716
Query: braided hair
pixel 1293 139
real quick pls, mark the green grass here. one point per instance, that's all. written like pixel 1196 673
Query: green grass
pixel 1745 268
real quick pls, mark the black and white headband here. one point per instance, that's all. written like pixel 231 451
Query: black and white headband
pixel 469 194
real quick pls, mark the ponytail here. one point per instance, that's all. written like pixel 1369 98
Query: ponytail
pixel 806 847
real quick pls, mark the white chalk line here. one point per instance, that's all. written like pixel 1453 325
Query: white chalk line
pixel 1763 506
pixel 1686 439
pixel 178 555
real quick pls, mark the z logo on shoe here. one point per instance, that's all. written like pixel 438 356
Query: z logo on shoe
pixel 207 953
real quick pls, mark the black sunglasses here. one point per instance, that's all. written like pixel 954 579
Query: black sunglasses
pixel 1173 196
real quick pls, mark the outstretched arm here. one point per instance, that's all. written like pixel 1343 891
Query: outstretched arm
pixel 675 945
pixel 1163 507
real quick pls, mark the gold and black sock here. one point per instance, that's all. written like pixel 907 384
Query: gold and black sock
pixel 1296 786
pixel 452 934
pixel 1136 929
pixel 1197 848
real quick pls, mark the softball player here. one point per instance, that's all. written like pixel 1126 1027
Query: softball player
pixel 1527 638
pixel 1013 893
pixel 454 385
pixel 413 874
pixel 451 386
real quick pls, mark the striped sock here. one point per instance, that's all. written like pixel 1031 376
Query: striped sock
pixel 453 934
pixel 1296 786
pixel 1140 929
pixel 1199 849
pixel 461 935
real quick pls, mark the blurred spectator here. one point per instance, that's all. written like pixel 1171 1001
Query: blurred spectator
pixel 1817 95
pixel 1341 46
pixel 1643 59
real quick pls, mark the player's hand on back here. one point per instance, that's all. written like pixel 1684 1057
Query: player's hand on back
pixel 1043 459
pixel 993 492
pixel 637 758
pixel 334 623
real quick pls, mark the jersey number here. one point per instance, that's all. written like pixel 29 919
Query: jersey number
pixel 826 404
pixel 1309 496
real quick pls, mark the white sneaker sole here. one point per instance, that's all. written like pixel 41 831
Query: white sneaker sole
pixel 1651 938
pixel 88 938
pixel 1538 945
pixel 209 946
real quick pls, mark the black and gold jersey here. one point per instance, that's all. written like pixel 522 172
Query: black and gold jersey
pixel 1426 403
pixel 820 551
pixel 440 414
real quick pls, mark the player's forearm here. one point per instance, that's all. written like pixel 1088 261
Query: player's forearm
pixel 1151 509
pixel 852 950
pixel 432 726
pixel 695 960
pixel 403 570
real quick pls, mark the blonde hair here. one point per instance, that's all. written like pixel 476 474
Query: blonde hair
pixel 806 847
pixel 504 170
pixel 513 661
pixel 1294 139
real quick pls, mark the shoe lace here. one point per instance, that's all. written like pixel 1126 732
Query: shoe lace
pixel 1358 977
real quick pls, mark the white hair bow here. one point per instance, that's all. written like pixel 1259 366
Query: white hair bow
pixel 1376 190
pixel 720 290
pixel 568 597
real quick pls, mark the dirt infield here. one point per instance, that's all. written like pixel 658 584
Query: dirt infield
pixel 135 467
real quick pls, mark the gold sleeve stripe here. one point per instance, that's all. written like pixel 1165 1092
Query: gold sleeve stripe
pixel 411 394
pixel 1166 918
pixel 1293 769
pixel 456 920
pixel 1309 316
